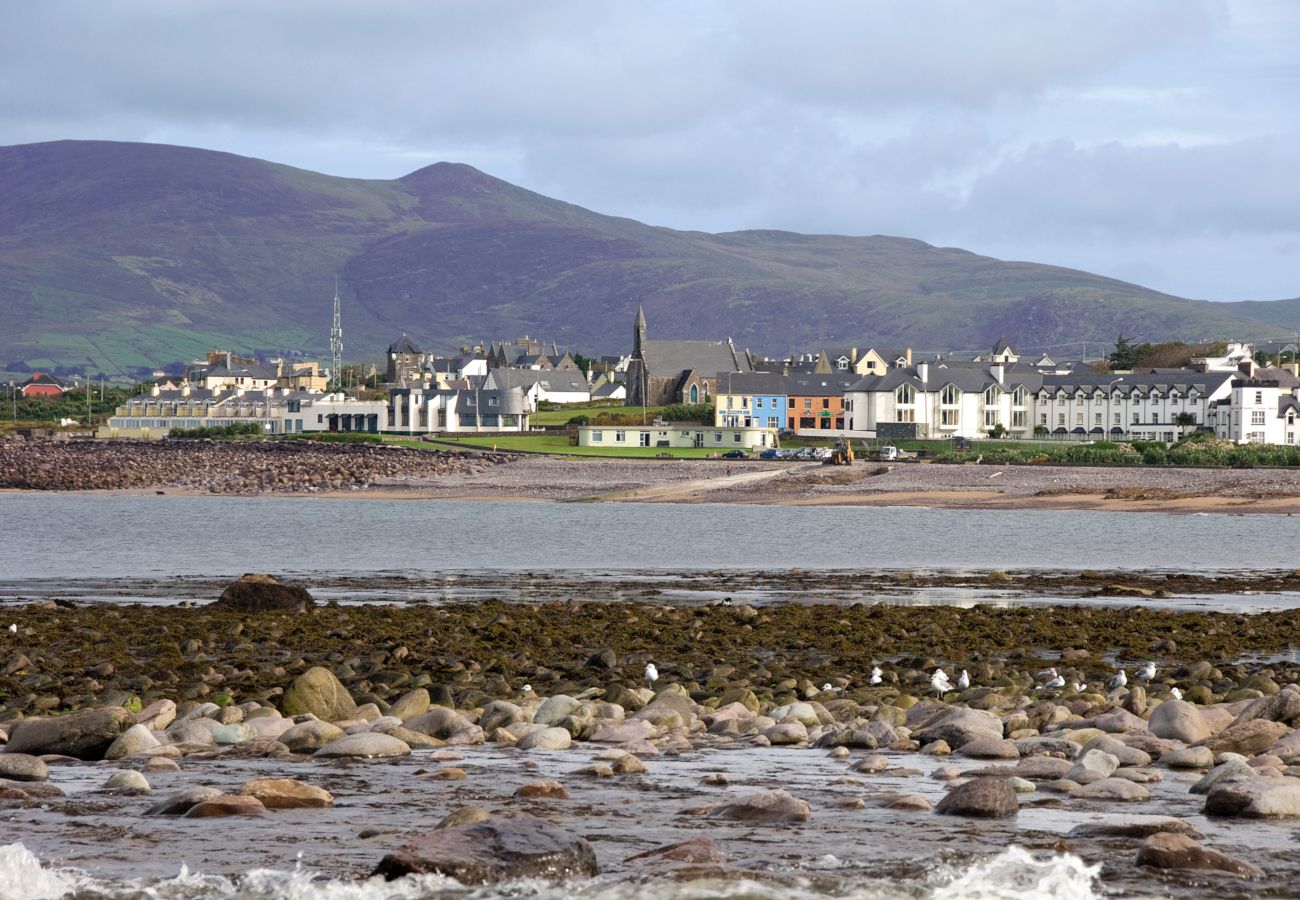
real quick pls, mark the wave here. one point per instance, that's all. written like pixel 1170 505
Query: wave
pixel 1013 874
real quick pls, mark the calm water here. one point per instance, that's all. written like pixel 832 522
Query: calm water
pixel 112 535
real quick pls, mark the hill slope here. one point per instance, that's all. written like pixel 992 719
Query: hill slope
pixel 114 256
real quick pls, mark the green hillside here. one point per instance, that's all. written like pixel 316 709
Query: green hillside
pixel 119 256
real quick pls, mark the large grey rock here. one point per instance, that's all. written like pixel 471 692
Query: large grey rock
pixel 22 767
pixel 439 722
pixel 1127 756
pixel 766 807
pixel 983 798
pixel 503 847
pixel 86 734
pixel 411 704
pixel 1046 744
pixel 1091 765
pixel 786 733
pixel 1233 770
pixel 310 736
pixel 127 780
pixel 554 709
pixel 179 804
pixel 989 748
pixel 367 746
pixel 1178 851
pixel 1248 738
pixel 546 739
pixel 318 692
pixel 499 714
pixel 1179 721
pixel 959 726
pixel 1133 826
pixel 136 739
pixel 1189 758
pixel 157 715
pixel 1256 798
pixel 255 593
pixel 1111 789
pixel 1284 707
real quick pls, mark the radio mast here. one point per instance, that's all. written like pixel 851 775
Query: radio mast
pixel 336 341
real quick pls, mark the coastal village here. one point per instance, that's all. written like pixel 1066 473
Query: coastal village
pixel 871 393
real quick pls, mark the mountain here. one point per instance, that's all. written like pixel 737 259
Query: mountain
pixel 115 256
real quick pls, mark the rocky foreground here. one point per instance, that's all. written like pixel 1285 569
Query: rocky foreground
pixel 154 693
pixel 225 467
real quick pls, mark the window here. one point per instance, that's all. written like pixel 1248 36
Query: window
pixel 1078 418
pixel 1155 418
pixel 695 393
pixel 597 437
pixel 807 403
pixel 620 437
pixel 905 395
pixel 990 418
pixel 1259 396
pixel 1097 419
pixel 1019 418
pixel 1020 397
pixel 736 437
pixel 320 417
pixel 1257 417
pixel 1137 418
pixel 826 403
pixel 731 403
pixel 949 396
pixel 905 415
pixel 948 418
pixel 992 395
pixel 744 402
pixel 1042 418
pixel 758 403
pixel 1290 437
pixel 1060 419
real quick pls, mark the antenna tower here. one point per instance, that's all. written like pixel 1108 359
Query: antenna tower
pixel 336 340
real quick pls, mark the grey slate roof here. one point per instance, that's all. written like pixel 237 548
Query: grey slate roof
pixel 551 379
pixel 404 345
pixel 668 359
pixel 811 385
pixel 751 383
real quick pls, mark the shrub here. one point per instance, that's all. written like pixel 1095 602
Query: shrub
pixel 235 429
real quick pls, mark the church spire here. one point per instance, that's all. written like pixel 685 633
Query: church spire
pixel 638 337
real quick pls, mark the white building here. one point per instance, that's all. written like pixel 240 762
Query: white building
pixel 1261 408
pixel 418 411
pixel 542 385
pixel 276 411
pixel 667 435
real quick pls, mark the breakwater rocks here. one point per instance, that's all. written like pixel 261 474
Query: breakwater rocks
pixel 225 467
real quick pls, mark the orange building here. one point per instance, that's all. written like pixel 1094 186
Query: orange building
pixel 816 401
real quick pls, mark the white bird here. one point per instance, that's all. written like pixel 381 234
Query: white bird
pixel 876 675
pixel 827 689
pixel 1046 674
pixel 939 682
pixel 528 689
pixel 651 674
pixel 1147 672
pixel 964 681
pixel 1054 684
pixel 1175 693
pixel 1077 687
pixel 1119 680
pixel 13 629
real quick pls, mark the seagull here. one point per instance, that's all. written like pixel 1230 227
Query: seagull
pixel 1119 680
pixel 1175 693
pixel 528 689
pixel 13 629
pixel 875 675
pixel 1077 687
pixel 964 681
pixel 1046 674
pixel 939 682
pixel 1147 672
pixel 1054 684
pixel 651 674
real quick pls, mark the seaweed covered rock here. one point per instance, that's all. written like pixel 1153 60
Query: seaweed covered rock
pixel 253 593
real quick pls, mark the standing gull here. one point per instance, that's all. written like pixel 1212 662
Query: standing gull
pixel 964 681
pixel 876 675
pixel 651 674
pixel 1119 681
pixel 939 682
pixel 1147 672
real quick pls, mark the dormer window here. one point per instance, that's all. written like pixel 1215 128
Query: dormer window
pixel 992 395
pixel 950 395
pixel 905 395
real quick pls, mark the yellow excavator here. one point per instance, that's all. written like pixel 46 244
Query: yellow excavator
pixel 842 455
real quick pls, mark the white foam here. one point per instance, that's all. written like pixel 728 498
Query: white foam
pixel 1014 874
pixel 22 878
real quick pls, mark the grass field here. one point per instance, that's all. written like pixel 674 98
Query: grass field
pixel 553 417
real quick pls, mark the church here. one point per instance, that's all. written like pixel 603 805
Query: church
pixel 661 373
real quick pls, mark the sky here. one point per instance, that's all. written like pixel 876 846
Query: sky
pixel 1157 141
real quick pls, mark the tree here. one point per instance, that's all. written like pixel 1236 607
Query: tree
pixel 1185 420
pixel 1125 354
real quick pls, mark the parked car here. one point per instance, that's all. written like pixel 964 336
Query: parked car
pixel 770 453
pixel 735 454
pixel 888 453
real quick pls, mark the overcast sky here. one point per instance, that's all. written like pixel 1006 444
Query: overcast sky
pixel 1152 140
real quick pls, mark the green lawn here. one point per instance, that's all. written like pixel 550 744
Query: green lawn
pixel 559 444
pixel 552 417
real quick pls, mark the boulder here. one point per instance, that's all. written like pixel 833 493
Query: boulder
pixel 22 767
pixel 506 846
pixel 1247 738
pixel 318 692
pixel 989 748
pixel 1256 798
pixel 366 745
pixel 411 704
pixel 1179 721
pixel 554 709
pixel 1091 765
pixel 1232 770
pixel 1284 707
pixel 959 726
pixel 764 807
pixel 544 789
pixel 1178 851
pixel 255 593
pixel 499 714
pixel 1189 758
pixel 157 715
pixel 178 804
pixel 546 739
pixel 287 793
pixel 226 805
pixel 439 722
pixel 983 798
pixel 127 780
pixel 135 739
pixel 1127 756
pixel 310 736
pixel 1134 826
pixel 694 851
pixel 1112 789
pixel 86 734
pixel 786 733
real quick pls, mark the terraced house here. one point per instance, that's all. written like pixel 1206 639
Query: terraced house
pixel 815 402
pixel 750 399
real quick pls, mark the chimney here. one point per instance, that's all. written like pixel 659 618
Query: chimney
pixel 1247 367
pixel 153 391
pixel 185 389
pixel 923 372
pixel 997 371
pixel 908 354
